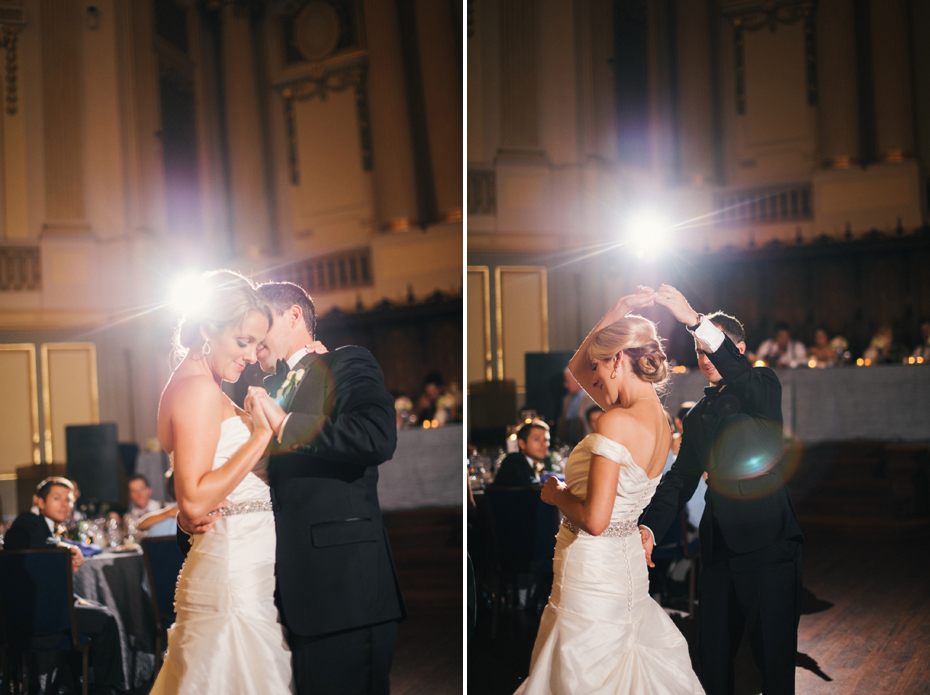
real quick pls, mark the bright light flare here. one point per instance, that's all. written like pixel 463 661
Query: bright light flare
pixel 648 234
pixel 187 293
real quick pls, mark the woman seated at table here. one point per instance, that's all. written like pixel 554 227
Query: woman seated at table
pixel 821 350
pixel 162 522
pixel 55 500
pixel 519 468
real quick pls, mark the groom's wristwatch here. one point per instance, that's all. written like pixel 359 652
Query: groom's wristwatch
pixel 697 324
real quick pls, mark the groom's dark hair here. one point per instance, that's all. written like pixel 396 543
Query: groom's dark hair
pixel 283 295
pixel 728 325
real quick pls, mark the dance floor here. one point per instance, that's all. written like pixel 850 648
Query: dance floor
pixel 427 548
pixel 865 626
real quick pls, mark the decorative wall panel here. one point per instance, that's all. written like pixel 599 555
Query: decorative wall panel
pixel 522 316
pixel 479 321
pixel 69 392
pixel 19 408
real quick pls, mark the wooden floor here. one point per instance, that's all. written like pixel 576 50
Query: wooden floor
pixel 427 549
pixel 865 624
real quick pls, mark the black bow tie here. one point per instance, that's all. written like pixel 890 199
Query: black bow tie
pixel 711 392
pixel 274 382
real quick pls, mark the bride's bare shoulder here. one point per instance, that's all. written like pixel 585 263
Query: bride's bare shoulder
pixel 187 395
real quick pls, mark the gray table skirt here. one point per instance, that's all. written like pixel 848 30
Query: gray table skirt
pixel 427 470
pixel 878 403
pixel 119 582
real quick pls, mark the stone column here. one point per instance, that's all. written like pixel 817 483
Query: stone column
pixel 519 34
pixel 441 70
pixel 695 93
pixel 894 118
pixel 836 72
pixel 392 151
pixel 251 215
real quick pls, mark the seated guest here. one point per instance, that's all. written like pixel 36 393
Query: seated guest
pixel 821 350
pixel 429 398
pixel 571 427
pixel 883 348
pixel 519 468
pixel 55 501
pixel 140 495
pixel 782 351
pixel 923 350
pixel 592 415
pixel 164 521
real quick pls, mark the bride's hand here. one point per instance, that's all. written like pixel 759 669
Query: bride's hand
pixel 260 425
pixel 551 489
pixel 645 296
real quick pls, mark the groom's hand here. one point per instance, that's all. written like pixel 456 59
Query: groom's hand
pixel 675 302
pixel 648 544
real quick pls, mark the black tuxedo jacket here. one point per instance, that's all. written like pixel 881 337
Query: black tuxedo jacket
pixel 516 471
pixel 334 565
pixel 28 532
pixel 735 435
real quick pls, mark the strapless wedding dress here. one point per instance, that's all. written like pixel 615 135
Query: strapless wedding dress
pixel 601 633
pixel 227 638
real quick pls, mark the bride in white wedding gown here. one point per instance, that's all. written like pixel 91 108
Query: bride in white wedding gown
pixel 227 637
pixel 601 633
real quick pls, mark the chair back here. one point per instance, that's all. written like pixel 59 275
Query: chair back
pixel 163 562
pixel 524 529
pixel 37 599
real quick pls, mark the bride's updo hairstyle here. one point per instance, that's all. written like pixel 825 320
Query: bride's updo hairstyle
pixel 637 337
pixel 220 299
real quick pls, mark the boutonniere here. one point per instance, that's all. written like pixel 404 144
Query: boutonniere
pixel 290 381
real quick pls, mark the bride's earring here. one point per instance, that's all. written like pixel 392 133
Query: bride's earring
pixel 206 348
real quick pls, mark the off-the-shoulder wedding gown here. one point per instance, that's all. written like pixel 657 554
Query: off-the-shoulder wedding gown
pixel 601 633
pixel 227 638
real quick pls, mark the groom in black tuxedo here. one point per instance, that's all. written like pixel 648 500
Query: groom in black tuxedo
pixel 335 423
pixel 750 538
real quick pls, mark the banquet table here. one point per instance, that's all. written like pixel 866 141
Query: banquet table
pixel 118 581
pixel 426 470
pixel 877 403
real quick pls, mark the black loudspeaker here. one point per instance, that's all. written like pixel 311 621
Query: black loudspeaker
pixel 545 382
pixel 94 462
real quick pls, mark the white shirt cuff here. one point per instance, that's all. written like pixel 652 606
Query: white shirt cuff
pixel 281 429
pixel 709 337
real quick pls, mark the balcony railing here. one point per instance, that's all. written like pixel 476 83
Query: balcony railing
pixel 331 272
pixel 20 268
pixel 771 205
pixel 482 192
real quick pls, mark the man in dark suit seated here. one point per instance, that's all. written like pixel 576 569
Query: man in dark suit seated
pixel 519 468
pixel 55 500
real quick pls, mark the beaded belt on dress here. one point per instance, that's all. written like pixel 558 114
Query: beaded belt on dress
pixel 245 507
pixel 621 529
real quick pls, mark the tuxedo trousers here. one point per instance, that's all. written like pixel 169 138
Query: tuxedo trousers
pixel 759 591
pixel 350 662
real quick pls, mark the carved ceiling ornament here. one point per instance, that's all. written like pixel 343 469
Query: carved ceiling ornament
pixel 768 14
pixel 12 20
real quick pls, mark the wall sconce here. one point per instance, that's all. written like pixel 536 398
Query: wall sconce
pixel 93 17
